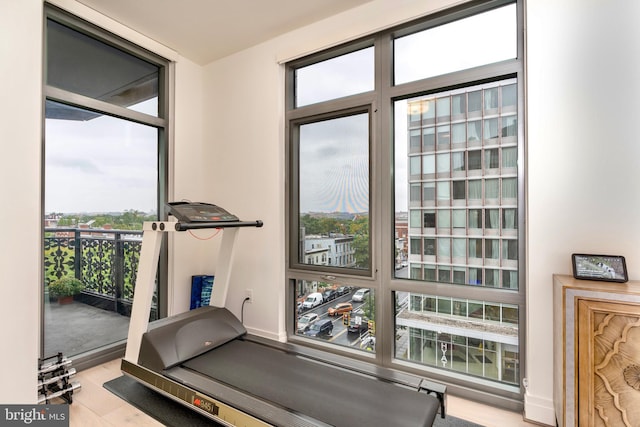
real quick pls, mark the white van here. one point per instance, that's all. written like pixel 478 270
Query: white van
pixel 312 300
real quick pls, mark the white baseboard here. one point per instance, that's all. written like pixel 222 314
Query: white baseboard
pixel 539 410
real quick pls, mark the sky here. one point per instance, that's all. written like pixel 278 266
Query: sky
pixel 334 165
pixel 100 165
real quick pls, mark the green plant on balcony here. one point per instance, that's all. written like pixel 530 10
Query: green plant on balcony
pixel 65 287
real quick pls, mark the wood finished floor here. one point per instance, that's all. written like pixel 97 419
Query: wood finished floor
pixel 93 405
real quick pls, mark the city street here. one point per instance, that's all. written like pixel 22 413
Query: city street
pixel 340 336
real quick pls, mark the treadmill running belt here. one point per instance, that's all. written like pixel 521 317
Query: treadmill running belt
pixel 329 394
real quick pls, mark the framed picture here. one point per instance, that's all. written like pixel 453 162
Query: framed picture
pixel 610 268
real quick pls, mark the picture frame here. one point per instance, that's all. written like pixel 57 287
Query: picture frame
pixel 608 268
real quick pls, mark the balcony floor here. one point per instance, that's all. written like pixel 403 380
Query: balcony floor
pixel 77 328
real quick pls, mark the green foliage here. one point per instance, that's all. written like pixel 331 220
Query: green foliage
pixel 127 220
pixel 369 306
pixel 65 286
pixel 357 227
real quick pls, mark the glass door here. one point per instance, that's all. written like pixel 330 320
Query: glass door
pixel 104 175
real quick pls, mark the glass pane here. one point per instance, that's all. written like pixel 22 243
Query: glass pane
pixel 443 190
pixel 444 247
pixel 334 78
pixel 491 188
pixel 428 164
pixel 458 105
pixel 509 96
pixel 474 131
pixel 459 190
pixel 429 139
pixel 429 191
pixel 458 133
pixel 414 138
pixel 334 192
pixel 491 159
pixel 509 126
pixel 86 66
pixel 414 165
pixel 101 180
pixel 443 161
pixel 457 161
pixel 444 219
pixel 477 40
pixel 415 218
pixel 342 315
pixel 429 219
pixel 415 193
pixel 490 129
pixel 480 179
pixel 509 157
pixel 459 218
pixel 475 160
pixel 420 339
pixel 509 219
pixel 429 246
pixel 490 100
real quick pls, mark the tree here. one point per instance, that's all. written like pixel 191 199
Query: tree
pixel 359 229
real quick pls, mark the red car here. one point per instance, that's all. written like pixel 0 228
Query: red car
pixel 340 308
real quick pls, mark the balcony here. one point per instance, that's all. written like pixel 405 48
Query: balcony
pixel 106 261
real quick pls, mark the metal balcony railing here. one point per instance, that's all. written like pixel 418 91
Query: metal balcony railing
pixel 106 261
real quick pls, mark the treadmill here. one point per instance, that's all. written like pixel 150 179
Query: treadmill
pixel 206 360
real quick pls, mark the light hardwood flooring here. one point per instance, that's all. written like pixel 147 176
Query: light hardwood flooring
pixel 94 405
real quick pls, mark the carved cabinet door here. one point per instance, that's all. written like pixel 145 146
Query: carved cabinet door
pixel 608 363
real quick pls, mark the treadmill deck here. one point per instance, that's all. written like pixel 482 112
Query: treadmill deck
pixel 334 396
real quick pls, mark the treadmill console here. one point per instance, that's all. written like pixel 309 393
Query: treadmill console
pixel 199 212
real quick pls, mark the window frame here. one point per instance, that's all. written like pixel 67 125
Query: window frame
pixel 294 222
pixel 161 122
pixel 382 212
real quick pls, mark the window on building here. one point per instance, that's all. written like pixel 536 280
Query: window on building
pixel 454 176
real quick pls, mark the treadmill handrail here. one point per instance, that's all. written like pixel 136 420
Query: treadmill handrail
pixel 183 226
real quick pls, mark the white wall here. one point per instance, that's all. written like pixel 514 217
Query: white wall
pixel 188 175
pixel 246 156
pixel 20 244
pixel 584 160
pixel 582 155
pixel 21 24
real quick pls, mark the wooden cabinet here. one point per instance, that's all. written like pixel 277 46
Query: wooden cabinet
pixel 596 353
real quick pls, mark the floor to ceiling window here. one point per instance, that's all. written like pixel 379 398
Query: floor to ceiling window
pixel 104 174
pixel 405 197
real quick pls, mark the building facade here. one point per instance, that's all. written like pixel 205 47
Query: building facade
pixel 463 200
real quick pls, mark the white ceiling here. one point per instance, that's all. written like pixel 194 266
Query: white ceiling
pixel 206 30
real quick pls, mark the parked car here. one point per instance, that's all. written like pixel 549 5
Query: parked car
pixel 312 300
pixel 329 295
pixel 360 295
pixel 320 328
pixel 340 308
pixel 358 324
pixel 304 322
pixel 343 290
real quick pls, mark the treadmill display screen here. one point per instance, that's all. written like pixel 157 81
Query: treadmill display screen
pixel 199 212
